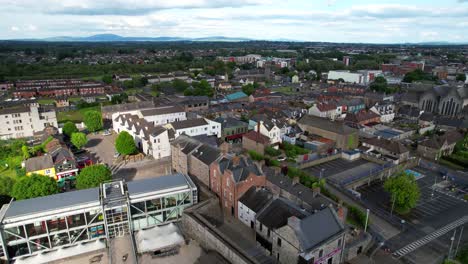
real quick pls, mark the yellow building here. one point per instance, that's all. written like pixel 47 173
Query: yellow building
pixel 42 165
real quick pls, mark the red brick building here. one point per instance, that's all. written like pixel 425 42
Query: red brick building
pixel 362 118
pixel 231 177
pixel 58 88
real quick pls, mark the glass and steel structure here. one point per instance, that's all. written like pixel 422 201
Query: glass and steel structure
pixel 115 209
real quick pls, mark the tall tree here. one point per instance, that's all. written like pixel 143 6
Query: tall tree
pixel 6 185
pixel 34 186
pixel 93 120
pixel 69 128
pixel 79 140
pixel 404 192
pixel 124 144
pixel 107 79
pixel 93 176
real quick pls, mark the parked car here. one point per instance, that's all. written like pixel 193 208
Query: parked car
pixel 107 132
pixel 281 158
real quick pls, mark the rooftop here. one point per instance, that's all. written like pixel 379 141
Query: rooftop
pixel 162 110
pixel 189 123
pixel 276 214
pixel 316 228
pixel 39 163
pixel 52 202
pixel 325 124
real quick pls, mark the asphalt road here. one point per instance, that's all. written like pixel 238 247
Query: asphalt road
pixel 433 211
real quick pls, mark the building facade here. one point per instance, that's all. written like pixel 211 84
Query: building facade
pixel 25 121
pixel 34 226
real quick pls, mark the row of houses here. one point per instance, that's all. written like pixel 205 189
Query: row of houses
pixel 292 223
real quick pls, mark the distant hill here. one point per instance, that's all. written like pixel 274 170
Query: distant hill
pixel 116 38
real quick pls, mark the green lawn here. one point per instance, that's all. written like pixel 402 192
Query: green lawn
pixel 74 99
pixel 284 89
pixel 75 116
pixel 133 91
pixel 46 101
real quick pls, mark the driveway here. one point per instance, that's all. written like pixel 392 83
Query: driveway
pixel 147 168
pixel 101 148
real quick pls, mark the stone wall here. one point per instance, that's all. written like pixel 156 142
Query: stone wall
pixel 199 169
pixel 198 228
pixel 249 144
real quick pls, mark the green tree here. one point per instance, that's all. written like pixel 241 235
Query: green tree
pixel 107 79
pixel 404 192
pixel 93 120
pixel 200 88
pixel 180 85
pixel 79 140
pixel 93 176
pixel 248 89
pixel 461 77
pixel 25 150
pixel 379 84
pixel 69 128
pixel 33 186
pixel 6 185
pixel 124 144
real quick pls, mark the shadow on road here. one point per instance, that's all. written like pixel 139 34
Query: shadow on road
pixel 125 173
pixel 93 142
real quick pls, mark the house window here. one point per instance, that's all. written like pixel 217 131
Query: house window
pixel 279 242
pixel 261 226
pixel 268 232
pixel 339 242
pixel 321 253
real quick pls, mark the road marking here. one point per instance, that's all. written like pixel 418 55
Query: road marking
pixel 428 238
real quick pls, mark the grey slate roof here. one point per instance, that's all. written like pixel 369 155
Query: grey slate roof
pixel 162 110
pixel 276 214
pixel 325 124
pixel 239 171
pixel 189 123
pixel 207 154
pixel 39 163
pixel 317 228
pixel 255 199
pixel 52 202
pixel 305 194
pixel 15 110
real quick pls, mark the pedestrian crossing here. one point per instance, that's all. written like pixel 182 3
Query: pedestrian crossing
pixel 421 242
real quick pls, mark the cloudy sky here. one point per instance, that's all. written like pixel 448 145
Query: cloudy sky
pixel 377 21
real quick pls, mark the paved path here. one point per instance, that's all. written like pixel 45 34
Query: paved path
pixel 377 224
pixel 120 246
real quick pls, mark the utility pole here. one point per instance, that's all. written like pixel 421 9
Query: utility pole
pixel 367 220
pixel 451 243
pixel 393 205
pixel 434 186
pixel 459 239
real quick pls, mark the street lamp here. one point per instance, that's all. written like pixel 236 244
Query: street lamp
pixel 393 204
pixel 321 172
pixel 367 220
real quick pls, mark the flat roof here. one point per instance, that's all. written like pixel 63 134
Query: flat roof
pixel 87 196
pixel 158 184
pixel 52 202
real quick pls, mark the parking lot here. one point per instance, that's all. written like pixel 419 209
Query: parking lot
pixel 101 149
pixel 340 170
pixel 434 210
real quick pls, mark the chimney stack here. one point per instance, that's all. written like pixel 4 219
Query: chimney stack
pixel 316 191
pixel 235 161
pixel 295 180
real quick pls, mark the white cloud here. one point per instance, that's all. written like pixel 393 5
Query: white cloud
pixel 14 28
